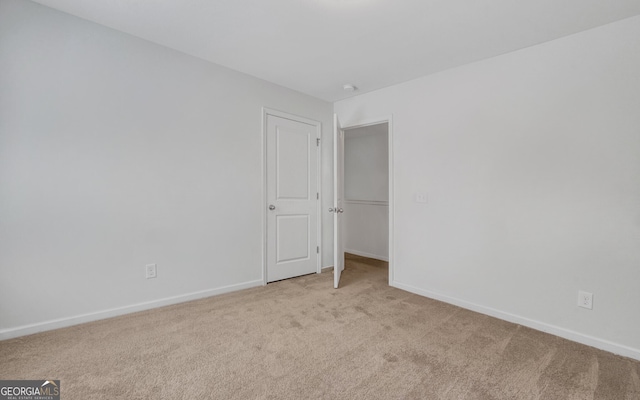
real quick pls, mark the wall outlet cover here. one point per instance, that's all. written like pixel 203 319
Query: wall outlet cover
pixel 585 300
pixel 151 271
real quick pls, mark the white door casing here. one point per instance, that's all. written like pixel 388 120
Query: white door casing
pixel 338 195
pixel 292 196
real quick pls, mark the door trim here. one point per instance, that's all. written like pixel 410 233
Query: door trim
pixel 376 121
pixel 318 125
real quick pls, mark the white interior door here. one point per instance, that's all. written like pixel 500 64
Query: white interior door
pixel 292 198
pixel 338 194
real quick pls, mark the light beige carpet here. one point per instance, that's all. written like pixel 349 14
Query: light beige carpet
pixel 301 339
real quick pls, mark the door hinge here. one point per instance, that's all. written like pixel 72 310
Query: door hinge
pixel 318 142
pixel 317 196
pixel 318 249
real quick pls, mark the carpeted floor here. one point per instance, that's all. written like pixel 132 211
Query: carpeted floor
pixel 301 339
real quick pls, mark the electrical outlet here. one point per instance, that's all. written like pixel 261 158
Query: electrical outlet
pixel 585 300
pixel 151 271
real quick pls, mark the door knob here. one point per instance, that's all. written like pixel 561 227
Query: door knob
pixel 332 209
pixel 272 207
pixel 340 210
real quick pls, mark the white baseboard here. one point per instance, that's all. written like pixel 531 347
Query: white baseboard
pixel 114 312
pixel 537 325
pixel 365 254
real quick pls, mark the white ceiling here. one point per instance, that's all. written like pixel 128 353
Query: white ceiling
pixel 316 46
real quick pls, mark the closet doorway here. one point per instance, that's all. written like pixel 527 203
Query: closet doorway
pixel 367 191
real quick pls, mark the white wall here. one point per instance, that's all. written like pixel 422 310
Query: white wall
pixel 116 152
pixel 531 165
pixel 366 229
pixel 366 163
pixel 366 179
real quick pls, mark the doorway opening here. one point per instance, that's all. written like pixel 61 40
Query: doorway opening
pixel 368 194
pixel 366 191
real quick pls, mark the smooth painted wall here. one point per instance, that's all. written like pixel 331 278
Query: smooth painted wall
pixel 366 229
pixel 366 180
pixel 366 163
pixel 531 166
pixel 116 153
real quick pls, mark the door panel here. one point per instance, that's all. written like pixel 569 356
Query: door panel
pixel 338 195
pixel 292 155
pixel 293 238
pixel 292 216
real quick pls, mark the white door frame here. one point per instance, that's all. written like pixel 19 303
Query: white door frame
pixel 318 125
pixel 376 121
